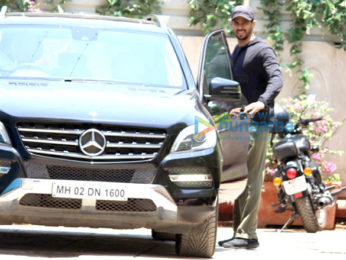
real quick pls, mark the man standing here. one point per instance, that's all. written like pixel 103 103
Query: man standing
pixel 257 70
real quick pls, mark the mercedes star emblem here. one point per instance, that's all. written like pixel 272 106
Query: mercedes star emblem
pixel 92 142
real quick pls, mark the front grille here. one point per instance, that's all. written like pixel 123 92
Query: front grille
pixel 47 201
pixel 86 174
pixel 132 205
pixel 62 141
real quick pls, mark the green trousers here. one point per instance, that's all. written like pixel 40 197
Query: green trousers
pixel 246 205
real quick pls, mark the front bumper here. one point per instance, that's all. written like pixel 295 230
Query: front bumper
pixel 166 216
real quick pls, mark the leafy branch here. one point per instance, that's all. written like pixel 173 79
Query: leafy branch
pixel 276 35
pixel 212 13
pixel 330 14
pixel 130 8
pixel 31 5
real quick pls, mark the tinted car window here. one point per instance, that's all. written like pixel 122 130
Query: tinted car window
pixel 216 61
pixel 88 53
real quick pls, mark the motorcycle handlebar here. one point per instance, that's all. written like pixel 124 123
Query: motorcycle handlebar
pixel 309 120
pixel 336 192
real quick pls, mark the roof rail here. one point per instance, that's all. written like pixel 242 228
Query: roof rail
pixel 156 18
pixel 81 15
pixel 60 10
pixel 3 12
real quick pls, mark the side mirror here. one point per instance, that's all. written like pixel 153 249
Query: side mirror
pixel 224 89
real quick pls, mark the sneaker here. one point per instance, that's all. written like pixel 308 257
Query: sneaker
pixel 225 241
pixel 241 243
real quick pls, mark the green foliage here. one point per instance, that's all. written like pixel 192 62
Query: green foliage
pixel 131 8
pixel 305 77
pixel 276 35
pixel 55 3
pixel 5 2
pixel 31 5
pixel 212 13
pixel 12 5
pixel 334 178
pixel 318 132
pixel 28 5
pixel 330 14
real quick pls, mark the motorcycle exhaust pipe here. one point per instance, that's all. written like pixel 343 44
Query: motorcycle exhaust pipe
pixel 324 201
pixel 329 199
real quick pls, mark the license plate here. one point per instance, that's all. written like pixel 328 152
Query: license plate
pixel 89 190
pixel 296 185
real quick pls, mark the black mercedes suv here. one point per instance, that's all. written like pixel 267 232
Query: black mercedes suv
pixel 103 125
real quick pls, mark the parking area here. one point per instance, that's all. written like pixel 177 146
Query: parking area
pixel 37 242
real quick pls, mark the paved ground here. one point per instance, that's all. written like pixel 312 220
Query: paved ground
pixel 35 242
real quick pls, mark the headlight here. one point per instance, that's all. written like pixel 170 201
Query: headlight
pixel 194 138
pixel 4 138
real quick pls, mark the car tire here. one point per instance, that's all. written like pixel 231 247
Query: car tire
pixel 200 242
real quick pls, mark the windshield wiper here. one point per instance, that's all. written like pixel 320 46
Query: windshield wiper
pixel 90 80
pixel 39 45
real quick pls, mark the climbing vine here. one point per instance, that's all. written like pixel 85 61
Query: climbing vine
pixel 128 8
pixel 212 13
pixel 131 8
pixel 305 14
pixel 330 14
pixel 15 5
pixel 32 5
pixel 276 35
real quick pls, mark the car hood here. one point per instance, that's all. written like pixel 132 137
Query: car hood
pixel 120 104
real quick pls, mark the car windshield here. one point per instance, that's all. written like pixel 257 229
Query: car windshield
pixel 85 53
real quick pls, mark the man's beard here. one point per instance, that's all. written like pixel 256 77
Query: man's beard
pixel 246 35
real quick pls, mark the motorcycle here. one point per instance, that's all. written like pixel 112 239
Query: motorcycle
pixel 298 178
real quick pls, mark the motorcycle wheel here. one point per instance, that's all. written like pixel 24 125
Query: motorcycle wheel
pixel 307 214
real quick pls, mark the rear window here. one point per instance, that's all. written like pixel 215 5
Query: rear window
pixel 84 53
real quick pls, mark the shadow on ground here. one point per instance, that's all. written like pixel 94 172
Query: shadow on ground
pixel 72 244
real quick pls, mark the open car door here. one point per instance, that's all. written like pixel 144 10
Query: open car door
pixel 220 94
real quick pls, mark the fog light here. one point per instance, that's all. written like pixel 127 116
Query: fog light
pixel 190 177
pixel 192 180
pixel 4 170
pixel 277 181
pixel 307 171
